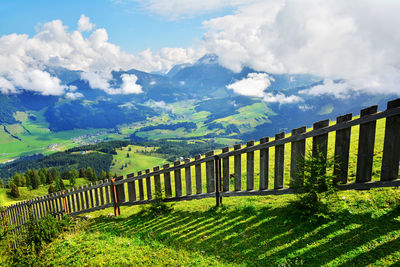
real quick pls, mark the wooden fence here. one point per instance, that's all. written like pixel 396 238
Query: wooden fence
pixel 142 187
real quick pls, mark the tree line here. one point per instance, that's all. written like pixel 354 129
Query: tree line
pixel 52 177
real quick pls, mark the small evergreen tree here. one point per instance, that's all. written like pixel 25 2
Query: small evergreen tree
pixel 35 180
pixel 51 189
pixel 82 173
pixel 16 179
pixel 14 192
pixel 49 177
pixel 42 175
pixel 103 175
pixel 59 186
pixel 72 180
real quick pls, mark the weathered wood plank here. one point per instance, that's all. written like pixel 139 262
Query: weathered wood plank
pixel 298 150
pixel 178 179
pixel 69 201
pixel 264 164
pixel 96 195
pixel 131 188
pixel 91 196
pixel 225 171
pixel 86 193
pixel 238 168
pixel 167 182
pixel 157 181
pixel 279 162
pixel 391 147
pixel 366 143
pixel 120 190
pixel 210 173
pixel 320 144
pixel 73 200
pixel 107 192
pixel 141 189
pixel 101 193
pixel 148 185
pixel 199 186
pixel 342 149
pixel 188 178
pixel 250 167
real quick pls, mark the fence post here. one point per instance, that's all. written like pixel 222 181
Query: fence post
pixel 218 188
pixel 64 202
pixel 115 198
pixel 4 219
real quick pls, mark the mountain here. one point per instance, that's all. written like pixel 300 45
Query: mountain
pixel 189 93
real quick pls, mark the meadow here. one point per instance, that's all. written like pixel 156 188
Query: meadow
pixel 245 231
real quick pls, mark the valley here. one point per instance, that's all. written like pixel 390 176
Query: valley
pixel 191 102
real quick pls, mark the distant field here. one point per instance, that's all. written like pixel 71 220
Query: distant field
pixel 37 138
pixel 136 161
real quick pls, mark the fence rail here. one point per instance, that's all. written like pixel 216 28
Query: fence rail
pixel 186 180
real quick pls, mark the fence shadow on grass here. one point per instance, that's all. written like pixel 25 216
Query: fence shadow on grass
pixel 245 235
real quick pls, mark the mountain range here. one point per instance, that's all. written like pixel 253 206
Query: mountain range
pixel 197 93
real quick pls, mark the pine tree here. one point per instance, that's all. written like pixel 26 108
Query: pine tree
pixel 103 175
pixel 34 177
pixel 16 179
pixel 72 180
pixel 51 190
pixel 14 190
pixel 59 184
pixel 82 173
pixel 42 175
pixel 49 177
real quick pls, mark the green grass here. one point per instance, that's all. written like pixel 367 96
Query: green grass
pixel 36 137
pixel 26 193
pixel 137 161
pixel 246 231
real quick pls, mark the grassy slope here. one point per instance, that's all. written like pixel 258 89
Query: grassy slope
pixel 255 231
pixel 246 231
pixel 26 193
pixel 136 161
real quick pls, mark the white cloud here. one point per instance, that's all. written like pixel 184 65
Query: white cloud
pixel 281 98
pixel 84 24
pixel 159 104
pixel 23 59
pixel 329 87
pixel 38 81
pixel 6 87
pixel 253 85
pixel 96 80
pixel 129 85
pixel 356 41
pixel 305 107
pixel 180 9
pixel 73 96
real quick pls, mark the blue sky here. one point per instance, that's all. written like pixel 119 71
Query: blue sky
pixel 128 24
pixel 356 42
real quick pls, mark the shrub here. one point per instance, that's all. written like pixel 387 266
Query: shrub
pixel 314 184
pixel 158 206
pixel 14 192
pixel 51 189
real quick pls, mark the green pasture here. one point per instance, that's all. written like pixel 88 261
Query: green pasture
pixel 26 193
pixel 245 231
